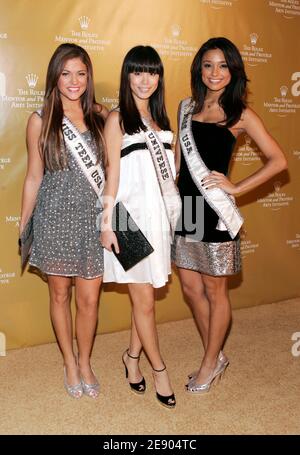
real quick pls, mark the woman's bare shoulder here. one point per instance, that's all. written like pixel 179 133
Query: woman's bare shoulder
pixel 102 110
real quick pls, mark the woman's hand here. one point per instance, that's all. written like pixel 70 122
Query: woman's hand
pixel 108 239
pixel 21 229
pixel 218 180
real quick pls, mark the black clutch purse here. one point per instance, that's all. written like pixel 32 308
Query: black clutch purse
pixel 25 242
pixel 133 244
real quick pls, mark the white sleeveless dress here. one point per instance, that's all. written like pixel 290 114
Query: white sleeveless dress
pixel 140 193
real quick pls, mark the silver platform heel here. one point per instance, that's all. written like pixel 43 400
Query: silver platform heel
pixel 221 359
pixel 75 391
pixel 214 377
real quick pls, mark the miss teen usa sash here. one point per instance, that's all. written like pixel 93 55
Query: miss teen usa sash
pixel 165 179
pixel 220 201
pixel 84 156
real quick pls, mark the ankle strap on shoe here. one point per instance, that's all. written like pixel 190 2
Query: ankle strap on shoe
pixel 159 371
pixel 132 356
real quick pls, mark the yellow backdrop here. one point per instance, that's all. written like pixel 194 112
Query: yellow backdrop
pixel 267 34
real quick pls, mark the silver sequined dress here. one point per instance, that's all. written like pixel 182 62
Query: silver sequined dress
pixel 66 240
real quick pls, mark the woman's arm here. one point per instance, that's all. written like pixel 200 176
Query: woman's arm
pixel 104 112
pixel 276 161
pixel 101 110
pixel 113 141
pixel 35 169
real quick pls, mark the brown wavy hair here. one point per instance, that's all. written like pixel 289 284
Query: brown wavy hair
pixel 51 138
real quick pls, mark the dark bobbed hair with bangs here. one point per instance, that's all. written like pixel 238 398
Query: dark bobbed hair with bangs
pixel 234 98
pixel 51 138
pixel 138 60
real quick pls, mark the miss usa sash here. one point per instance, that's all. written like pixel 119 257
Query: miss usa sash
pixel 221 202
pixel 165 179
pixel 84 156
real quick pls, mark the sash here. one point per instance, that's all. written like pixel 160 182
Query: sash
pixel 220 201
pixel 169 191
pixel 84 156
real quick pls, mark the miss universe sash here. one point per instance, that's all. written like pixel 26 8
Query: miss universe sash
pixel 84 156
pixel 165 179
pixel 220 201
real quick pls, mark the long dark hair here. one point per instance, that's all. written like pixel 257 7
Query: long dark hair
pixel 51 138
pixel 234 98
pixel 142 59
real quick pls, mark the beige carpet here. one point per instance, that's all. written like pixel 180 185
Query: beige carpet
pixel 260 393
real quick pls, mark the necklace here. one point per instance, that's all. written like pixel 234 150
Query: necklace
pixel 213 104
pixel 209 104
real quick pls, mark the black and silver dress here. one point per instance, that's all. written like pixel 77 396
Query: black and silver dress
pixel 216 254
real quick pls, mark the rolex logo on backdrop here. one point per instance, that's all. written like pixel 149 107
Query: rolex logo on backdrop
pixel 285 103
pixel 283 90
pixel 85 35
pixel 253 54
pixel 253 38
pixel 176 29
pixel 84 22
pixel 276 200
pixel 246 153
pixel 32 80
pixel 277 186
pixel 26 97
pixel 174 46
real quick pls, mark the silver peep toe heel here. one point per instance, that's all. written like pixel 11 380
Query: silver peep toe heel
pixel 193 387
pixel 91 390
pixel 75 391
pixel 222 359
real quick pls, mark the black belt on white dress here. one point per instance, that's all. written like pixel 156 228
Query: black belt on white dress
pixel 140 146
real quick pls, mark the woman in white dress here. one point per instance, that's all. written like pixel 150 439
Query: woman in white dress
pixel 132 179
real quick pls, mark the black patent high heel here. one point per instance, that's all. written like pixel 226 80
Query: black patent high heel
pixel 168 401
pixel 137 387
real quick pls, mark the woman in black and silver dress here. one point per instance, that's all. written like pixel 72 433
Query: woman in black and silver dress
pixel 206 248
pixel 66 243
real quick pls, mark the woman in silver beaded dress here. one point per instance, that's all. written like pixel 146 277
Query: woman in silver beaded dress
pixel 66 243
pixel 209 123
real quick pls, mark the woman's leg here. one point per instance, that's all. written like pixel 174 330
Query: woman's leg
pixel 60 291
pixel 194 292
pixel 87 299
pixel 134 350
pixel 142 297
pixel 219 321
